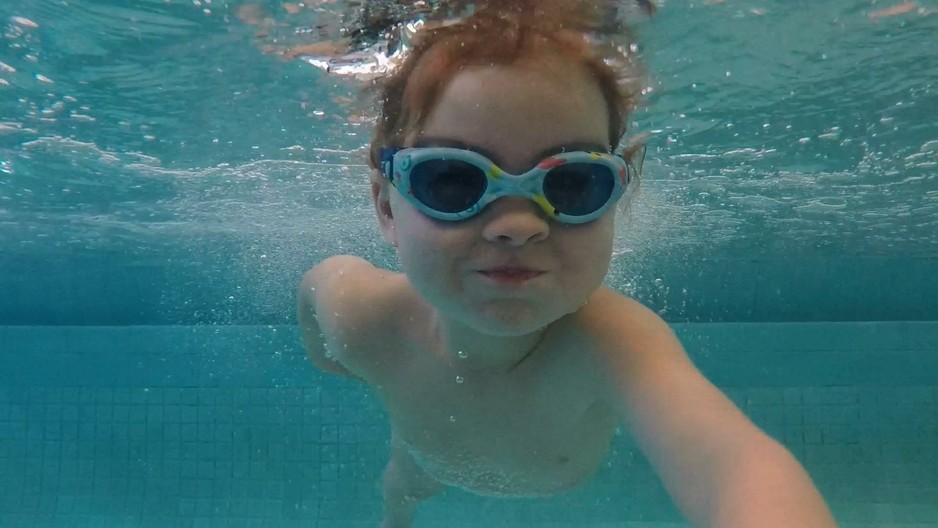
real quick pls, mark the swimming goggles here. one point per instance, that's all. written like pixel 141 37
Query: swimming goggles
pixel 454 184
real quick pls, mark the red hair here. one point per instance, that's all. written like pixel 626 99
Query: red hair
pixel 503 35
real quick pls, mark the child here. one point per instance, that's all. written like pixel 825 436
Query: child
pixel 503 363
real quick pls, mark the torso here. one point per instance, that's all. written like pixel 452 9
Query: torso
pixel 538 429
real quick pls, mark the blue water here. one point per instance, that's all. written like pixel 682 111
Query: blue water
pixel 164 183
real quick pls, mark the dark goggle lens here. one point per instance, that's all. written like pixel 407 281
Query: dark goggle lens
pixel 578 189
pixel 448 186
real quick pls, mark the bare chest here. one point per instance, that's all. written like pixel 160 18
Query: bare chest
pixel 535 432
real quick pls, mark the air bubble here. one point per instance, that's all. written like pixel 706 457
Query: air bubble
pixel 462 354
pixel 25 22
pixel 459 379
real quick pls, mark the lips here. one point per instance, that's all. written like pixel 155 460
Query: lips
pixel 511 270
pixel 510 274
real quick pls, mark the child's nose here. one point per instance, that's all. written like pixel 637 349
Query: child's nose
pixel 514 221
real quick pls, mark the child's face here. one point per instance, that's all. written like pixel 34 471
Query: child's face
pixel 518 115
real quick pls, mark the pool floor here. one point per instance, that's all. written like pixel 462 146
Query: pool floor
pixel 212 426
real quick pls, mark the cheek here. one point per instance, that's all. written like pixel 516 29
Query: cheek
pixel 433 258
pixel 423 246
pixel 589 251
pixel 415 245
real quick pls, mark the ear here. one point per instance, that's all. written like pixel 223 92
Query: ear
pixel 381 194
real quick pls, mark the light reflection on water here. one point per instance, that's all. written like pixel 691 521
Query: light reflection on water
pixel 148 122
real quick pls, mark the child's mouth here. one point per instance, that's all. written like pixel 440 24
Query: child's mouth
pixel 510 275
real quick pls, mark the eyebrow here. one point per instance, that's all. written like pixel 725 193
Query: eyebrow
pixel 567 147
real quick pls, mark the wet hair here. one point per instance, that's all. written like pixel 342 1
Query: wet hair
pixel 509 33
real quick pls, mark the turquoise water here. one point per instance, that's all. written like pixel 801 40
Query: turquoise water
pixel 164 183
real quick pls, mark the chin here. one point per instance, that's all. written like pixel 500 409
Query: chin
pixel 507 321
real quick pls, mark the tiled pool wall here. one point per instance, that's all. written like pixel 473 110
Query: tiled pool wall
pixel 200 287
pixel 225 426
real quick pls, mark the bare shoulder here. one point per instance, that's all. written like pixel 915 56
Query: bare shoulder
pixel 347 309
pixel 618 320
pixel 658 390
pixel 341 278
pixel 634 346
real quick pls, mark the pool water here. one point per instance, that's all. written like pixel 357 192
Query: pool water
pixel 164 183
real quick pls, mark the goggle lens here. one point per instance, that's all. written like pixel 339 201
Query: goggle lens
pixel 448 186
pixel 454 186
pixel 578 189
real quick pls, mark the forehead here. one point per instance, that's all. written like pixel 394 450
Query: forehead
pixel 517 112
pixel 429 141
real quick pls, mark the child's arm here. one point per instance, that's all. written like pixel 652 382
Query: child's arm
pixel 719 468
pixel 324 286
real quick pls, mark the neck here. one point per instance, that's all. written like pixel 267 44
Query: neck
pixel 475 350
